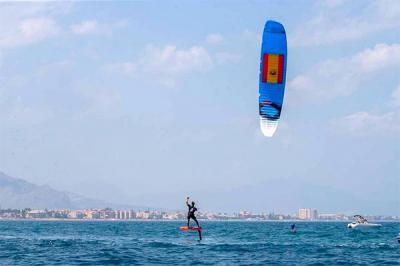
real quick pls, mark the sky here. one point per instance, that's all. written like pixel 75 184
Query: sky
pixel 147 102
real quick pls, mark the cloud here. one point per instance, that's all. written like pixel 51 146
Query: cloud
pixel 169 63
pixel 165 64
pixel 334 25
pixel 215 38
pixel 85 27
pixel 38 28
pixel 29 31
pixel 94 27
pixel 380 57
pixel 29 23
pixel 172 61
pixel 340 77
pixel 365 123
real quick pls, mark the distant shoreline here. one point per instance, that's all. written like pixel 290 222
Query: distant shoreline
pixel 181 220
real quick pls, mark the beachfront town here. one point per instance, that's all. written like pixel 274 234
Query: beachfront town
pixel 306 214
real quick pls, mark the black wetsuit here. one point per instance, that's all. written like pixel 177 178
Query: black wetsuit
pixel 192 210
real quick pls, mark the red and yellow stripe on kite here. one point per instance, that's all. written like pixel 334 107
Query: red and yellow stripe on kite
pixel 272 70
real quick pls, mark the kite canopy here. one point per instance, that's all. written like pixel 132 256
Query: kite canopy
pixel 272 76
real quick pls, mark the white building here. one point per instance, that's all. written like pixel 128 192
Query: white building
pixel 307 214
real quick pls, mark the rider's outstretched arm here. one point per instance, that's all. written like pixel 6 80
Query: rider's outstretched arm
pixel 187 201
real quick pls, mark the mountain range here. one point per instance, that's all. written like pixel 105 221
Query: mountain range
pixel 18 193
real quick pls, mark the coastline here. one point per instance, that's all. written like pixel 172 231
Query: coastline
pixel 181 220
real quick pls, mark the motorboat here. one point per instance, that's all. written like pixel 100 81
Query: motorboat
pixel 355 225
pixel 398 238
pixel 361 223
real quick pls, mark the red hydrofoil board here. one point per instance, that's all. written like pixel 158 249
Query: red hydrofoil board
pixel 185 228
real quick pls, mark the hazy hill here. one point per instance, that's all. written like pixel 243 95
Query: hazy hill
pixel 18 193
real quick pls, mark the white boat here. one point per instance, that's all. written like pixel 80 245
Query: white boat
pixel 355 225
pixel 398 238
pixel 361 223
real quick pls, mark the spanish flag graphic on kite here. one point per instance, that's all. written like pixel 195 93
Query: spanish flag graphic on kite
pixel 272 76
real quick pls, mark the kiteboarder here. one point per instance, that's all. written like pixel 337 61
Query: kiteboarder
pixel 191 211
pixel 293 228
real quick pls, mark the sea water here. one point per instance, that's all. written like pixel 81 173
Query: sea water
pixel 224 243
